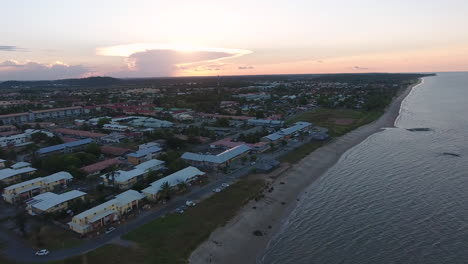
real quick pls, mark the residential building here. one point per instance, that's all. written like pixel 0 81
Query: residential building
pixel 119 128
pixel 2 163
pixel 98 167
pixel 106 213
pixel 114 151
pixel 221 160
pixel 126 179
pixel 186 175
pixel 78 133
pixel 144 154
pixel 227 143
pixel 32 116
pixel 12 175
pixel 65 147
pixel 27 189
pixel 265 122
pixel 50 202
pixel 287 133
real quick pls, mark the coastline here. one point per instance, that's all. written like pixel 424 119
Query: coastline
pixel 235 243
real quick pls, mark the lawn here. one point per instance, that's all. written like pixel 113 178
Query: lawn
pixel 172 239
pixel 302 151
pixel 338 121
pixel 54 238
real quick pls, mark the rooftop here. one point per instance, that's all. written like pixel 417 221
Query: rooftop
pixel 48 200
pixel 173 179
pixel 101 165
pixel 220 158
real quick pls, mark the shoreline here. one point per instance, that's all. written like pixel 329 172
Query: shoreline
pixel 235 242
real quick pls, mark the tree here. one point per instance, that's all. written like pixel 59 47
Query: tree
pixel 222 122
pixel 182 186
pixel 93 148
pixel 103 121
pixel 20 221
pixel 253 158
pixel 166 191
pixel 284 143
pixel 243 159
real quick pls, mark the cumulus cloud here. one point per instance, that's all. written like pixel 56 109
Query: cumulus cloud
pixel 147 60
pixel 358 68
pixel 245 67
pixel 14 70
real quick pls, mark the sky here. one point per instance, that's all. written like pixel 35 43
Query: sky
pixel 56 39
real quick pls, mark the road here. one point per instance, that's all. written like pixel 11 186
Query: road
pixel 16 249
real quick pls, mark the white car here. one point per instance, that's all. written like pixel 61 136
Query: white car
pixel 190 203
pixel 42 252
pixel 225 185
pixel 110 230
pixel 217 190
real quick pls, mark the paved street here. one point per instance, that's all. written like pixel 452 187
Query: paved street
pixel 18 250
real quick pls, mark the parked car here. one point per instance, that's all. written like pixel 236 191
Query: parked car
pixel 42 252
pixel 225 185
pixel 179 210
pixel 110 230
pixel 190 203
pixel 217 190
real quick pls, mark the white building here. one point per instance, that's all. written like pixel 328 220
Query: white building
pixel 50 202
pixel 106 213
pixel 186 175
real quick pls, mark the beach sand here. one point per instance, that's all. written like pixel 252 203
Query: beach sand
pixel 235 242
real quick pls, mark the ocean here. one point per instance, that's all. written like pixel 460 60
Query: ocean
pixel 398 197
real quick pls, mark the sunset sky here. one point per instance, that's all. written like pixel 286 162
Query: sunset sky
pixel 53 39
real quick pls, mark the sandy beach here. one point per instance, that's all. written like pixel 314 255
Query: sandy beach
pixel 235 242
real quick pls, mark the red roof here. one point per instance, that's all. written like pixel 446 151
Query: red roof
pixel 78 133
pixel 116 151
pixel 100 165
pixel 68 139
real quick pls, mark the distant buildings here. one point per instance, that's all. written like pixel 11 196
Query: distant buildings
pixel 287 133
pixel 106 213
pixel 25 190
pixel 98 167
pixel 265 122
pixel 32 116
pixel 186 175
pixel 65 147
pixel 144 154
pixel 50 202
pixel 215 161
pixel 78 133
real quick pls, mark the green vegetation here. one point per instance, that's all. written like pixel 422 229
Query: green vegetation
pixel 53 238
pixel 302 151
pixel 338 121
pixel 172 239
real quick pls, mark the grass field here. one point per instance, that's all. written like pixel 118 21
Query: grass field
pixel 172 239
pixel 338 121
pixel 302 151
pixel 53 238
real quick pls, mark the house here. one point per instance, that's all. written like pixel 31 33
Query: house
pixel 114 151
pixel 287 133
pixel 25 190
pixel 186 175
pixel 227 143
pixel 65 147
pixel 50 202
pixel 106 213
pixel 78 133
pixel 32 116
pixel 126 179
pixel 11 175
pixel 119 128
pixel 265 122
pixel 113 138
pixel 143 155
pixel 98 167
pixel 2 163
pixel 221 160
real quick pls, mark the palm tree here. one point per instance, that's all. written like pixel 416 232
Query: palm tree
pixel 182 186
pixel 166 191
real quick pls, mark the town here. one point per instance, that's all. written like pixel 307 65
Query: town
pixel 80 158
